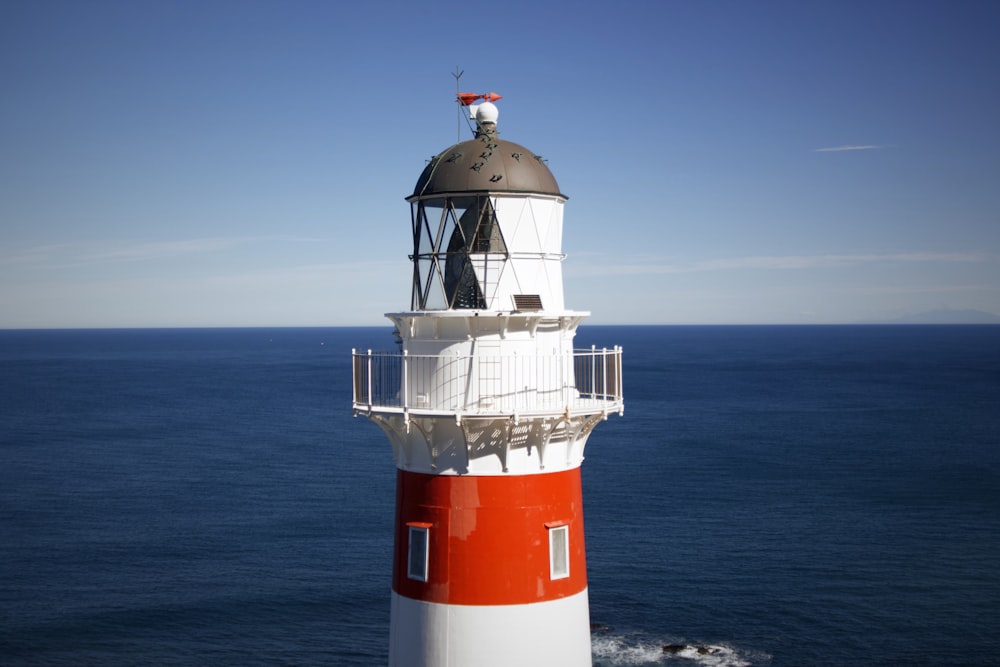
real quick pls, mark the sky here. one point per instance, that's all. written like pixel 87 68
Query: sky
pixel 244 163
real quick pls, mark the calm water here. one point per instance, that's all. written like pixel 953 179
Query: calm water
pixel 772 496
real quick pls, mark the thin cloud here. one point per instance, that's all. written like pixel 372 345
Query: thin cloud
pixel 334 273
pixel 778 263
pixel 823 261
pixel 837 149
pixel 88 253
pixel 156 250
pixel 963 288
pixel 163 249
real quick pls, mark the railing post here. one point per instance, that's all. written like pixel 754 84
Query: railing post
pixel 618 366
pixel 561 378
pixel 404 394
pixel 354 375
pixel 369 380
pixel 604 357
pixel 515 389
pixel 593 371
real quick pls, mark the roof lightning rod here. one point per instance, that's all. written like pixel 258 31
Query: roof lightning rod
pixel 458 75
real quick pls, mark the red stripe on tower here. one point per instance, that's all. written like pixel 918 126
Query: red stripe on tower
pixel 489 540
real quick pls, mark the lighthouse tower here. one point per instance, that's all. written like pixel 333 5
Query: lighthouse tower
pixel 488 407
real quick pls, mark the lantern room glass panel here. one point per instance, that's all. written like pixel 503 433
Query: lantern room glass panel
pixel 458 250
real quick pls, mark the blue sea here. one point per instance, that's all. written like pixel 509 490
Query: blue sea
pixel 772 496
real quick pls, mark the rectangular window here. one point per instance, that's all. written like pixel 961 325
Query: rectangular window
pixel 416 567
pixel 559 552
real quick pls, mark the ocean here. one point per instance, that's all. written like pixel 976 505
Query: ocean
pixel 773 495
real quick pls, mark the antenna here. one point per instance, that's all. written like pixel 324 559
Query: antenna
pixel 458 75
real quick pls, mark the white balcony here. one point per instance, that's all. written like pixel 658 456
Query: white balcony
pixel 584 382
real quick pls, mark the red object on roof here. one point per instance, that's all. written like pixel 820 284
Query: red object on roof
pixel 465 99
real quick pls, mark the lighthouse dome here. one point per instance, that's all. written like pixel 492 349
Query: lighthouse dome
pixel 486 164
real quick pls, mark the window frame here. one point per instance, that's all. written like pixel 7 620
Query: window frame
pixel 420 572
pixel 558 537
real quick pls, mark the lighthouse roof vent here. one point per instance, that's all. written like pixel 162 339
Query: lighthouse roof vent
pixel 486 164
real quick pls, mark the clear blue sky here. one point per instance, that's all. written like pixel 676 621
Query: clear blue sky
pixel 244 163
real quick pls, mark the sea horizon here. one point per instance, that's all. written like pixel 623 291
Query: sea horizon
pixel 582 325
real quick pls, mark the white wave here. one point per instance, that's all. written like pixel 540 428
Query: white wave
pixel 618 651
pixel 612 650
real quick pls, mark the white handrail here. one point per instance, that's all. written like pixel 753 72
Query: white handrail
pixel 490 384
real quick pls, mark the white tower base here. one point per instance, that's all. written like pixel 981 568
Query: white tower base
pixel 541 634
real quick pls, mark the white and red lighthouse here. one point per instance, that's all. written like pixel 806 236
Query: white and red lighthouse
pixel 488 407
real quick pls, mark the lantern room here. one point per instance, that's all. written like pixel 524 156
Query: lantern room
pixel 487 227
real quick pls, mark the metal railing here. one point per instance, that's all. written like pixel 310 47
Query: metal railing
pixel 588 381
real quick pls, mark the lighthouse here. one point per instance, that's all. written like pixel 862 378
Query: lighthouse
pixel 488 406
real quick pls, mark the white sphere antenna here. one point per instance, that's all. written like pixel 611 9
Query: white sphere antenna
pixel 487 112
